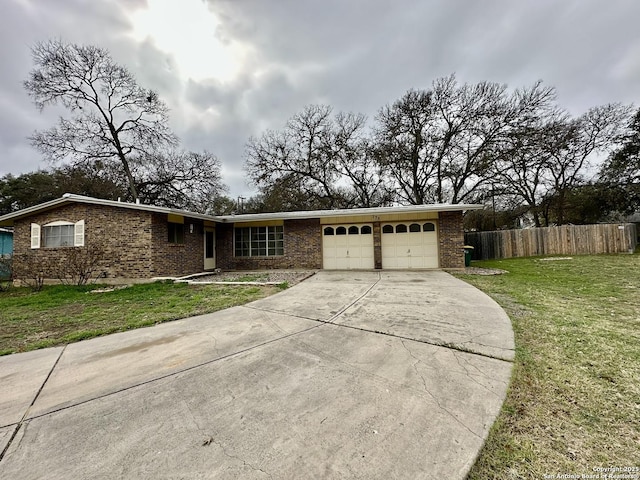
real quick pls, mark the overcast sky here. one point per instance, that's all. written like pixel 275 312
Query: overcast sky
pixel 230 69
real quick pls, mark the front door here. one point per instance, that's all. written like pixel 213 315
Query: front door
pixel 209 248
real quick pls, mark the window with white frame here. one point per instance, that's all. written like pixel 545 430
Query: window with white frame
pixel 57 234
pixel 259 241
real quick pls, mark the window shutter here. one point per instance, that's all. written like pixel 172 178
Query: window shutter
pixel 78 234
pixel 35 235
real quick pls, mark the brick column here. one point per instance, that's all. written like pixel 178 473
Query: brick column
pixel 451 239
pixel 377 246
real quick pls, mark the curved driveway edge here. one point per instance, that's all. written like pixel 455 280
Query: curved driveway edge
pixel 346 375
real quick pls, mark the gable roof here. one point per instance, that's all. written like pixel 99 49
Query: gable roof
pixel 67 198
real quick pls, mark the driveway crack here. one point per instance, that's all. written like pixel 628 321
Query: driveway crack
pixel 471 376
pixel 235 457
pixel 210 439
pixel 435 399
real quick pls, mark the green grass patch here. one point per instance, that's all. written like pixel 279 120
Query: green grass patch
pixel 58 315
pixel 574 399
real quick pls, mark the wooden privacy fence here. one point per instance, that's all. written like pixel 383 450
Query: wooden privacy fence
pixel 564 240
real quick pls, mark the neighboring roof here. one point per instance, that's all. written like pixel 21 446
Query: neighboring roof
pixel 436 207
pixel 7 220
pixel 67 198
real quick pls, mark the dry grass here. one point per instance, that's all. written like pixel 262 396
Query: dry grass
pixel 574 400
pixel 59 315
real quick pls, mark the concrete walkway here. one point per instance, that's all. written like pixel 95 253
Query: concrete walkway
pixel 346 375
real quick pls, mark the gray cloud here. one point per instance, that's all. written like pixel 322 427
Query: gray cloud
pixel 355 56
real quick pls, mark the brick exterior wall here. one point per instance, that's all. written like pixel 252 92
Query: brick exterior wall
pixel 302 248
pixel 451 237
pixel 170 259
pixel 134 243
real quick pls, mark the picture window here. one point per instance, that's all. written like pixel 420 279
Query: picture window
pixel 259 241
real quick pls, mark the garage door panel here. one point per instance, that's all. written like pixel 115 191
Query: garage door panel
pixel 402 261
pixel 402 239
pixel 409 248
pixel 351 251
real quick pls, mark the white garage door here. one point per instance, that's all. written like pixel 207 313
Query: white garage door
pixel 347 247
pixel 409 245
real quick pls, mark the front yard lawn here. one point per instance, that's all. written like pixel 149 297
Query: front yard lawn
pixel 573 405
pixel 60 314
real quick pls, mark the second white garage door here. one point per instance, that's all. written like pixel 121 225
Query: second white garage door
pixel 347 247
pixel 409 245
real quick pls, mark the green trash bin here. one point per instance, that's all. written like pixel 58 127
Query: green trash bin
pixel 468 251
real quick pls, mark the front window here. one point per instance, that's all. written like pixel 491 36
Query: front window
pixel 176 233
pixel 259 241
pixel 58 235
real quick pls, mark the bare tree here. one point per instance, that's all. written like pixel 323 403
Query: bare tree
pixel 520 171
pixel 285 194
pixel 403 147
pixel 440 145
pixel 573 147
pixel 327 158
pixel 622 168
pixel 298 152
pixel 111 119
pixel 185 180
pixel 542 163
pixel 354 161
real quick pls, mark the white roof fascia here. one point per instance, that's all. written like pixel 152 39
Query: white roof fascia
pixel 71 198
pixel 136 206
pixel 437 207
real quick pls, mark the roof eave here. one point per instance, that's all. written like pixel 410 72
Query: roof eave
pixel 8 220
pixel 347 212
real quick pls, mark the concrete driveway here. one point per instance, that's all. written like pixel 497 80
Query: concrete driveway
pixel 346 375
